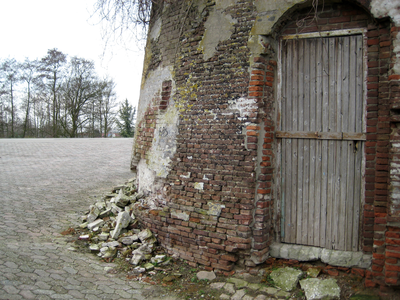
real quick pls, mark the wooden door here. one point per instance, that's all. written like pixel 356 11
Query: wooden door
pixel 322 140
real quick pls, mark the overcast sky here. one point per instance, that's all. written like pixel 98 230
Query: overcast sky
pixel 30 27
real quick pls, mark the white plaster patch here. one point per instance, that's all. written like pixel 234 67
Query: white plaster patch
pixel 396 44
pixel 151 88
pixel 219 27
pixel 395 168
pixel 199 185
pixel 180 215
pixel 391 8
pixel 156 30
pixel 145 177
pixel 187 176
pixel 214 209
pixel 163 146
pixel 244 106
pixel 384 8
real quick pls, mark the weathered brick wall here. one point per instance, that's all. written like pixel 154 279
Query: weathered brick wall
pixel 219 194
pixel 213 166
pixel 392 234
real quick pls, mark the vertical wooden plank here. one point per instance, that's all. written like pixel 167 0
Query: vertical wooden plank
pixel 283 164
pixel 345 156
pixel 292 114
pixel 309 148
pixel 295 106
pixel 357 196
pixel 302 98
pixel 331 156
pixel 288 151
pixel 352 117
pixel 316 157
pixel 325 55
pixel 359 125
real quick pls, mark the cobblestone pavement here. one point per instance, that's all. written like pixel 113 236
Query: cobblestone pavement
pixel 45 186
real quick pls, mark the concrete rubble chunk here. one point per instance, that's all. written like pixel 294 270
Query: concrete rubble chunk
pixel 316 289
pixel 108 252
pixel 145 234
pixel 115 209
pixel 313 272
pixel 204 275
pixel 111 244
pixel 144 249
pixel 83 225
pixel 158 259
pixel 95 224
pixel 148 266
pixel 123 221
pixel 129 240
pixel 94 212
pixel 121 200
pixel 103 236
pixel 137 258
pixel 139 270
pixel 84 237
pixel 112 236
pixel 105 213
pixel 286 278
pixel 94 247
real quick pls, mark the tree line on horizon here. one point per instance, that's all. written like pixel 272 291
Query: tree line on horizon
pixel 59 97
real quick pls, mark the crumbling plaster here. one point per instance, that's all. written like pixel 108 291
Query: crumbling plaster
pixel 163 145
pixel 389 8
pixel 218 27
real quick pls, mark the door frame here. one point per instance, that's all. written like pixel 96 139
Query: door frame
pixel 277 189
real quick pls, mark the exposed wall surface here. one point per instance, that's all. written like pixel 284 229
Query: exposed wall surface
pixel 205 146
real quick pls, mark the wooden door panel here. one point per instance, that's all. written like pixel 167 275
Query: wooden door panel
pixel 322 141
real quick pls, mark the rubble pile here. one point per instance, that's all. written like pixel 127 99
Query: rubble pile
pixel 113 231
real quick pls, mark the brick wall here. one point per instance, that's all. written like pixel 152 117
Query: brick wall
pixel 219 193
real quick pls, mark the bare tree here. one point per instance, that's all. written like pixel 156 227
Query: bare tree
pixel 52 68
pixel 128 18
pixel 79 90
pixel 30 77
pixel 107 103
pixel 9 70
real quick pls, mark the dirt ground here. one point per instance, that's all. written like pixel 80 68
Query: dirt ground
pixel 178 278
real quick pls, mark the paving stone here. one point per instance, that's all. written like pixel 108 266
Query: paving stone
pixel 217 285
pixel 239 283
pixel 204 275
pixel 27 294
pixel 261 297
pixel 316 288
pixel 238 295
pixel 230 288
pixel 286 278
pixel 255 286
pixel 10 289
pixel 54 183
pixel 269 290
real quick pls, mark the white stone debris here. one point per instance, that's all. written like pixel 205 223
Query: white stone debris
pixel 113 230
